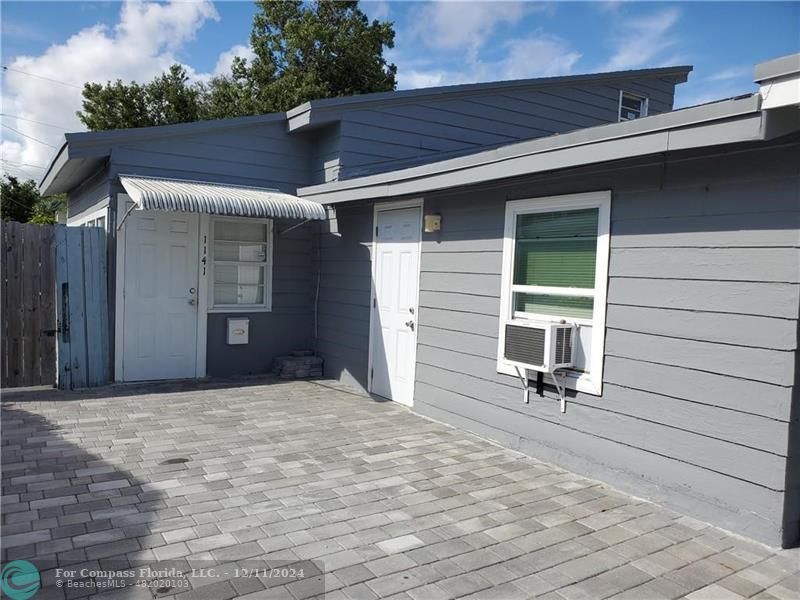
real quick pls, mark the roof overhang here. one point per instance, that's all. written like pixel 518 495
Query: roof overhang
pixel 731 121
pixel 83 153
pixel 70 166
pixel 155 193
pixel 329 110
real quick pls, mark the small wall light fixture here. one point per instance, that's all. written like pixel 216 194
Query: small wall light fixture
pixel 432 223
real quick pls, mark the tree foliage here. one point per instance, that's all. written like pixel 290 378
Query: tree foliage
pixel 169 98
pixel 303 51
pixel 20 201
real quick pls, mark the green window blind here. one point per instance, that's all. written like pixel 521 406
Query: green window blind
pixel 557 249
pixel 557 306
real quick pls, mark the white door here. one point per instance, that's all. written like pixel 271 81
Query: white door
pixel 160 296
pixel 394 310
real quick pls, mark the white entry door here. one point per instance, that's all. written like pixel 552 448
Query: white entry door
pixel 160 296
pixel 394 310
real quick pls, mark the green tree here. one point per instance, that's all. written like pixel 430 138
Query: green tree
pixel 46 209
pixel 21 201
pixel 169 98
pixel 320 50
pixel 303 51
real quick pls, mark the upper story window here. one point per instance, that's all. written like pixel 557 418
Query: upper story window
pixel 555 267
pixel 631 106
pixel 242 264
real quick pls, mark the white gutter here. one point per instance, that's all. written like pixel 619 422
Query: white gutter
pixel 780 82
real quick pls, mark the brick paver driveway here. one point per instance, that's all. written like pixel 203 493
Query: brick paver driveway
pixel 387 503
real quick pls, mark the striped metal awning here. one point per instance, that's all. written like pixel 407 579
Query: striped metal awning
pixel 156 193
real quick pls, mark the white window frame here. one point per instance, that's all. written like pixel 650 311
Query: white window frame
pixel 645 105
pixel 266 306
pixel 590 382
pixel 84 219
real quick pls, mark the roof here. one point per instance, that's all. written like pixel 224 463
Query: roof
pixel 156 193
pixel 777 68
pixel 83 153
pixel 728 121
pixel 301 116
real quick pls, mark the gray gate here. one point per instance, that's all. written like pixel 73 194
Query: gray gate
pixel 81 307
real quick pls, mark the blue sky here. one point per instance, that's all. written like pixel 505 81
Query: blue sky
pixel 437 43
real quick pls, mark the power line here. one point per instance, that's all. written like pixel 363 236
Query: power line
pixel 27 136
pixel 10 116
pixel 16 164
pixel 72 85
pixel 17 202
pixel 9 166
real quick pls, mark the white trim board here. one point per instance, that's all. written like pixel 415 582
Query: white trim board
pixel 119 296
pixel 387 206
pixel 591 382
pixel 99 210
pixel 268 275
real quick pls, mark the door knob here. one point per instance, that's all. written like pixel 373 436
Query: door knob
pixel 192 301
pixel 411 309
pixel 410 324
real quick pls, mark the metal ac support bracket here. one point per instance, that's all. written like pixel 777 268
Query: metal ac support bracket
pixel 526 388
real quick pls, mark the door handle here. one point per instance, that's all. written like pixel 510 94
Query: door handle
pixel 192 301
pixel 410 324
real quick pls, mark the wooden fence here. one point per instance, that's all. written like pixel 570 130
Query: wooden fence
pixel 27 301
pixel 54 306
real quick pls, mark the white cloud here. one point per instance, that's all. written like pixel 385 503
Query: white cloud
pixel 542 55
pixel 641 40
pixel 376 9
pixel 463 25
pixel 145 42
pixel 225 60
pixel 731 73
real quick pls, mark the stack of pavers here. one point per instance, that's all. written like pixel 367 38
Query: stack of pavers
pixel 298 365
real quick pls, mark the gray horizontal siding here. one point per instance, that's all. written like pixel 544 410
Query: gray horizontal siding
pixel 670 481
pixel 370 138
pixel 89 194
pixel 342 262
pixel 289 326
pixel 700 345
pixel 260 155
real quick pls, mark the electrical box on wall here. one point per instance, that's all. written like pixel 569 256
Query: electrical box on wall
pixel 238 330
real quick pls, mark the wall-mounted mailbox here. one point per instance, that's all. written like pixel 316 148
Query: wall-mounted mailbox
pixel 238 330
pixel 432 223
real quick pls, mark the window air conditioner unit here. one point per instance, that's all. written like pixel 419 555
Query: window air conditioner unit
pixel 539 346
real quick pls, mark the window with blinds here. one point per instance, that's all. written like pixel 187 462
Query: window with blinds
pixel 242 264
pixel 555 255
pixel 555 268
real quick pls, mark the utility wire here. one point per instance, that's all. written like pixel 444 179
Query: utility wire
pixel 27 136
pixel 72 85
pixel 16 164
pixel 10 116
pixel 17 202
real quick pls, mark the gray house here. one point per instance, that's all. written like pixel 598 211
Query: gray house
pixel 409 237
